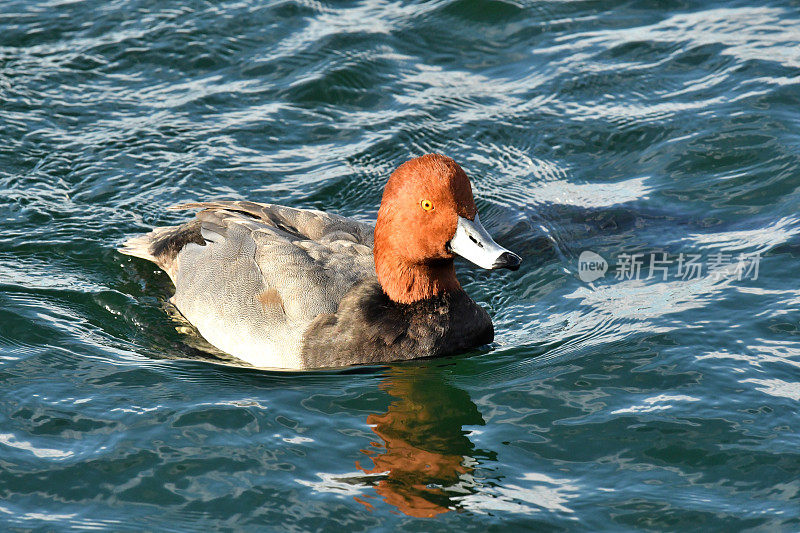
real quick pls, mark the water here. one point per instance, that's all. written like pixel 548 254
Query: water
pixel 614 127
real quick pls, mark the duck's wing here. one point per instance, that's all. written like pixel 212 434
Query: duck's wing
pixel 162 245
pixel 308 258
pixel 251 277
pixel 308 224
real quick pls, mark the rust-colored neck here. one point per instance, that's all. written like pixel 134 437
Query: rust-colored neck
pixel 407 283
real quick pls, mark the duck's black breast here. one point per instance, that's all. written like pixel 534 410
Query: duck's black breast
pixel 368 327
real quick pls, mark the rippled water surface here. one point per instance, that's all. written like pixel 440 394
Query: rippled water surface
pixel 664 402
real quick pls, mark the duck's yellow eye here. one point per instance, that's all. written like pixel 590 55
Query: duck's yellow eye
pixel 427 205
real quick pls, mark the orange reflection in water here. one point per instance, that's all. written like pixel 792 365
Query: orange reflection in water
pixel 423 448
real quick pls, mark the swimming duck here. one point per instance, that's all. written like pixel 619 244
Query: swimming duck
pixel 279 287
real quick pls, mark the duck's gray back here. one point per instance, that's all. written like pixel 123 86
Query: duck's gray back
pixel 252 277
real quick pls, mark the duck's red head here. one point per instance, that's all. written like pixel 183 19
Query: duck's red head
pixel 427 215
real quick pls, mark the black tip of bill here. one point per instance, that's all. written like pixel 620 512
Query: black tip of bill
pixel 507 260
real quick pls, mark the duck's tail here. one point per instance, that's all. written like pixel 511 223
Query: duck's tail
pixel 142 245
pixel 162 245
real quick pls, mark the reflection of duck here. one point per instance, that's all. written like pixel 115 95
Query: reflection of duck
pixel 425 448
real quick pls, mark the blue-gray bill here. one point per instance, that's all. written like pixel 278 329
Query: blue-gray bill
pixel 473 242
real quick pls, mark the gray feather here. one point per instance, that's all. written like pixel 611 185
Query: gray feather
pixel 262 274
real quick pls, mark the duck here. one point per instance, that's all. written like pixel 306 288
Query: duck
pixel 294 289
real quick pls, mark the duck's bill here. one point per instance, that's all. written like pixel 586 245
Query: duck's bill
pixel 473 242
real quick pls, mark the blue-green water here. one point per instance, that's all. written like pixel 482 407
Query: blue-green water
pixel 616 127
